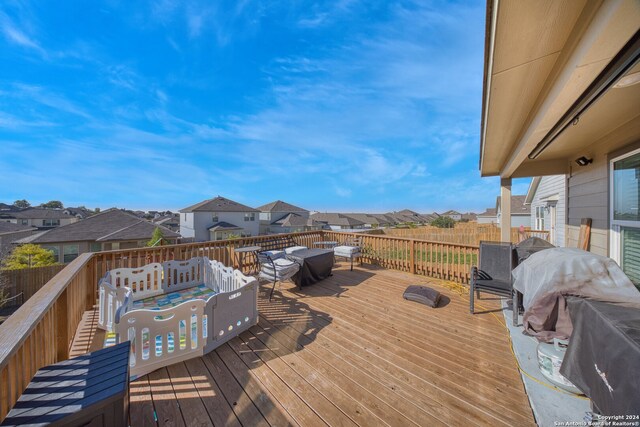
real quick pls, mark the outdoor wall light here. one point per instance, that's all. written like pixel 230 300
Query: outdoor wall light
pixel 583 161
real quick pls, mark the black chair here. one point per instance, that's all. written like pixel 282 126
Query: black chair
pixel 493 275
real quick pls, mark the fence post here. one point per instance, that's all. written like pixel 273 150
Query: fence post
pixel 412 256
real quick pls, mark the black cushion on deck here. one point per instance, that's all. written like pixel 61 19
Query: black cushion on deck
pixel 423 295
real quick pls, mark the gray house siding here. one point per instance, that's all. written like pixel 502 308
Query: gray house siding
pixel 587 197
pixel 551 187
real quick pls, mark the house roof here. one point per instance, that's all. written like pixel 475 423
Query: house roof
pixel 6 207
pixel 336 219
pixel 218 204
pixel 518 206
pixel 9 227
pixel 222 225
pixel 471 216
pixel 407 212
pixel 82 212
pixel 112 224
pixel 295 220
pixel 489 212
pixel 40 213
pixel 450 212
pixel 280 206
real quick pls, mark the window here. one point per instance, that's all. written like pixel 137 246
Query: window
pixel 55 250
pixel 185 217
pixel 50 222
pixel 24 221
pixel 70 252
pixel 96 247
pixel 250 216
pixel 625 215
pixel 214 217
pixel 539 217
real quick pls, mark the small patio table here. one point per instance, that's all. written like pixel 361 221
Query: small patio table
pixel 247 249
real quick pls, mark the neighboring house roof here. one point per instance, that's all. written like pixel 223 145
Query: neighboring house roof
pixel 518 206
pixel 222 225
pixel 450 212
pixel 407 212
pixel 6 207
pixel 41 213
pixel 112 224
pixel 336 219
pixel 9 227
pixel 489 212
pixel 295 220
pixel 280 206
pixel 218 204
pixel 533 187
pixel 78 212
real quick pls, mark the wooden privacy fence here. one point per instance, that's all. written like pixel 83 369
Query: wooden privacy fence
pixel 40 332
pixel 27 280
pixel 463 234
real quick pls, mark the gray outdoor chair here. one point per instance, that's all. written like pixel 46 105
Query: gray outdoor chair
pixel 276 268
pixel 493 275
pixel 350 249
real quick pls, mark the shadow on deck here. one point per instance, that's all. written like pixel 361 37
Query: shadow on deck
pixel 346 351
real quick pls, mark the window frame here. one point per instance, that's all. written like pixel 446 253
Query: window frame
pixel 250 216
pixel 616 225
pixel 64 254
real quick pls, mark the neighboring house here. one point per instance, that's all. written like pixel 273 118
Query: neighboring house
pixel 337 221
pixel 544 127
pixel 546 196
pixel 111 229
pixel 41 218
pixel 454 215
pixel 170 221
pixel 283 217
pixel 10 232
pixel 294 223
pixel 520 213
pixel 469 216
pixel 217 219
pixel 80 213
pixel 489 216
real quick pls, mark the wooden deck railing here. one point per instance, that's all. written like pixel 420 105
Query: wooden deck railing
pixel 41 331
pixel 445 261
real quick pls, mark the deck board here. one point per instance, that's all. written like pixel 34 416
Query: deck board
pixel 348 351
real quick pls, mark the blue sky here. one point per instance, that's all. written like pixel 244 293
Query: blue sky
pixel 334 106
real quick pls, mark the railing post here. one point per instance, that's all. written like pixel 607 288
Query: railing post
pixel 62 326
pixel 412 256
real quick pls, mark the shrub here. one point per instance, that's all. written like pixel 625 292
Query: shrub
pixel 443 222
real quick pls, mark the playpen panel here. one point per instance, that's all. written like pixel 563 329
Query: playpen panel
pixel 235 312
pixel 183 274
pixel 163 337
pixel 144 282
pixel 110 300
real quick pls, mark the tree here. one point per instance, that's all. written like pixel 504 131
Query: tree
pixel 157 238
pixel 21 204
pixel 52 204
pixel 29 255
pixel 443 222
pixel 97 210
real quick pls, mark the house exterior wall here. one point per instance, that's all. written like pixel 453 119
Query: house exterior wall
pixel 517 220
pixel 487 220
pixel 588 196
pixel 196 224
pixel 39 222
pixel 551 187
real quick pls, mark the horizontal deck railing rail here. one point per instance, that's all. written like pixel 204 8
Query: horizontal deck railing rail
pixel 41 331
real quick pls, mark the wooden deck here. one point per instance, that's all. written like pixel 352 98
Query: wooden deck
pixel 347 351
